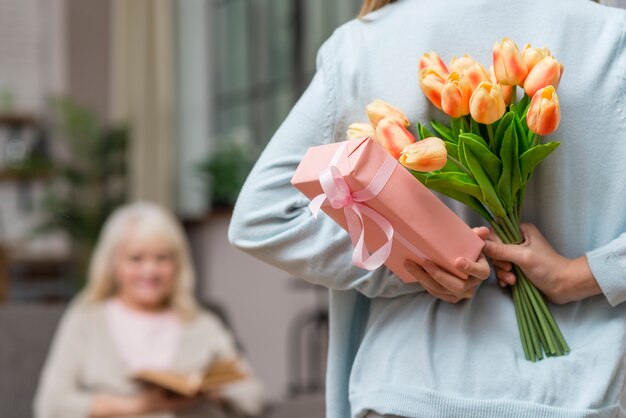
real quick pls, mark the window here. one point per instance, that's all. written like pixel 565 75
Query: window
pixel 265 53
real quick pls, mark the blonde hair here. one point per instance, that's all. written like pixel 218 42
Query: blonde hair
pixel 150 221
pixel 371 5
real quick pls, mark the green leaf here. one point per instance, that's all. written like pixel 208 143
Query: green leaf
pixel 475 128
pixel 503 125
pixel 444 132
pixel 490 162
pixel 522 107
pixel 522 135
pixel 423 131
pixel 422 177
pixel 531 158
pixel 453 150
pixel 456 124
pixel 510 180
pixel 455 181
pixel 467 200
pixel 490 197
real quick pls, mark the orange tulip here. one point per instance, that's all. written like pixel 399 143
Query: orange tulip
pixel 473 71
pixel 507 91
pixel 455 95
pixel 427 155
pixel 487 103
pixel 379 109
pixel 361 130
pixel 544 113
pixel 432 83
pixel 392 136
pixel 433 61
pixel 532 56
pixel 547 72
pixel 508 64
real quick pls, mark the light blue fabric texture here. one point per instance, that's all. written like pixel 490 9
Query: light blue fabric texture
pixel 396 350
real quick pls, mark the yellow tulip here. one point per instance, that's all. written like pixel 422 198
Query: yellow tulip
pixel 547 72
pixel 544 113
pixel 393 136
pixel 473 71
pixel 487 103
pixel 361 130
pixel 432 83
pixel 532 56
pixel 455 95
pixel 508 64
pixel 427 155
pixel 379 109
pixel 433 61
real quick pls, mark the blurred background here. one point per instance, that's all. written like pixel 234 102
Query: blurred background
pixel 109 101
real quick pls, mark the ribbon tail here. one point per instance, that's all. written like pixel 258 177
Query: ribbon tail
pixel 356 228
pixel 315 206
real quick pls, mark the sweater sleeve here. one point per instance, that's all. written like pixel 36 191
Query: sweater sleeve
pixel 608 265
pixel 59 394
pixel 271 220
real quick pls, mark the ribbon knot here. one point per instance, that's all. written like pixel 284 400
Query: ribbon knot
pixel 337 192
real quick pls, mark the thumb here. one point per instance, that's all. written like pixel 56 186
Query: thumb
pixel 515 254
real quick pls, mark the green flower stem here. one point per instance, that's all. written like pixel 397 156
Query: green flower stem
pixel 521 323
pixel 466 123
pixel 551 321
pixel 513 94
pixel 491 136
pixel 532 328
pixel 461 166
pixel 542 320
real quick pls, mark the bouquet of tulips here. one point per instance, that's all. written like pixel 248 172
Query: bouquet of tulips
pixel 487 154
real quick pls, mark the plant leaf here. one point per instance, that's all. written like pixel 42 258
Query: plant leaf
pixel 423 132
pixel 510 180
pixel 531 158
pixel 456 124
pixel 486 158
pixel 453 150
pixel 503 125
pixel 490 197
pixel 444 132
pixel 467 200
pixel 455 181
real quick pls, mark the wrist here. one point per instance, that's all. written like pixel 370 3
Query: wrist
pixel 576 281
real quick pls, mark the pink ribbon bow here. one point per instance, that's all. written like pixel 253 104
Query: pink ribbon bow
pixel 338 194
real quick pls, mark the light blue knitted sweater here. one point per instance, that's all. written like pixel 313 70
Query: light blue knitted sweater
pixel 395 349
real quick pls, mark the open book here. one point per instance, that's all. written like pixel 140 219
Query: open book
pixel 220 373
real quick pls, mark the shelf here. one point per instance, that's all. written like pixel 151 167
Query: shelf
pixel 19 174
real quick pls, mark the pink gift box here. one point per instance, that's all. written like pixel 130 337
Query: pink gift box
pixel 423 226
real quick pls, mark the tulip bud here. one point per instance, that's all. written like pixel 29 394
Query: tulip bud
pixel 433 61
pixel 473 71
pixel 427 155
pixel 393 136
pixel 379 109
pixel 508 63
pixel 432 83
pixel 547 72
pixel 507 91
pixel 455 95
pixel 532 56
pixel 361 130
pixel 544 113
pixel 487 103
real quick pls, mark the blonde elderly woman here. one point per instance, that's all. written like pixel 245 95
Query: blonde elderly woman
pixel 138 312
